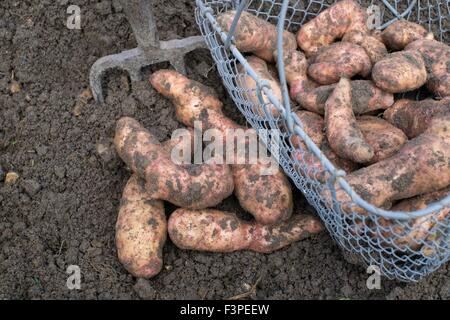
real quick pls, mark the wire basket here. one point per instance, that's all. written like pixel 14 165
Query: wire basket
pixel 403 245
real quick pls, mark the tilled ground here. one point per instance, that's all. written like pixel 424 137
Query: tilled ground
pixel 63 208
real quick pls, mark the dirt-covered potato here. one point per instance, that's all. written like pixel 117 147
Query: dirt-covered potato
pixel 383 137
pixel 188 186
pixel 219 231
pixel 418 231
pixel 375 49
pixel 401 33
pixel 330 25
pixel 366 97
pixel 421 166
pixel 437 61
pixel 414 117
pixel 343 134
pixel 261 69
pixel 400 72
pixel 141 230
pixel 314 126
pixel 253 188
pixel 341 59
pixel 255 35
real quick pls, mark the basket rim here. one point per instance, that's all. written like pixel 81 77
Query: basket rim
pixel 338 176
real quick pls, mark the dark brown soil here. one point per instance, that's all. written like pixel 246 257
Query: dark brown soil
pixel 63 208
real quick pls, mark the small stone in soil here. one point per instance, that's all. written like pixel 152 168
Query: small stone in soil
pixel 11 177
pixel 15 87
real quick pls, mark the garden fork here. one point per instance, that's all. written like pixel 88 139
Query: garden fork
pixel 149 51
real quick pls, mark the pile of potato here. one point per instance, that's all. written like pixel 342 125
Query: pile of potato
pixel 142 227
pixel 342 76
pixel 345 80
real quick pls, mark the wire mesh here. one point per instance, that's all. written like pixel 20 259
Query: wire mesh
pixel 404 245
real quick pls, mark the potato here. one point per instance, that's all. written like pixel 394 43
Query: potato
pixel 253 190
pixel 255 35
pixel 313 125
pixel 400 72
pixel 366 96
pixel 384 138
pixel 141 230
pixel 401 33
pixel 414 117
pixel 343 134
pixel 219 231
pixel 437 61
pixel 416 232
pixel 375 49
pixel 341 59
pixel 261 69
pixel 189 186
pixel 421 166
pixel 330 25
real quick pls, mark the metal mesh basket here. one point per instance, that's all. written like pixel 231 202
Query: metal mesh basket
pixel 405 246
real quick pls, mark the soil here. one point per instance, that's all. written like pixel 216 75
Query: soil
pixel 62 209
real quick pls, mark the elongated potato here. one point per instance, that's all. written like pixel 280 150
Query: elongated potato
pixel 343 134
pixel 330 25
pixel 256 35
pixel 401 33
pixel 253 188
pixel 414 117
pixel 400 72
pixel 383 137
pixel 421 166
pixel 261 69
pixel 366 97
pixel 341 59
pixel 375 49
pixel 417 231
pixel 219 231
pixel 437 61
pixel 189 186
pixel 141 230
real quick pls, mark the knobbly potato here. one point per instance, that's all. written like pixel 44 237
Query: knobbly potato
pixel 256 35
pixel 188 186
pixel 421 166
pixel 401 33
pixel 414 117
pixel 343 134
pixel 341 59
pixel 330 25
pixel 219 231
pixel 375 49
pixel 400 72
pixel 384 138
pixel 261 69
pixel 141 230
pixel 437 61
pixel 366 97
pixel 253 190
